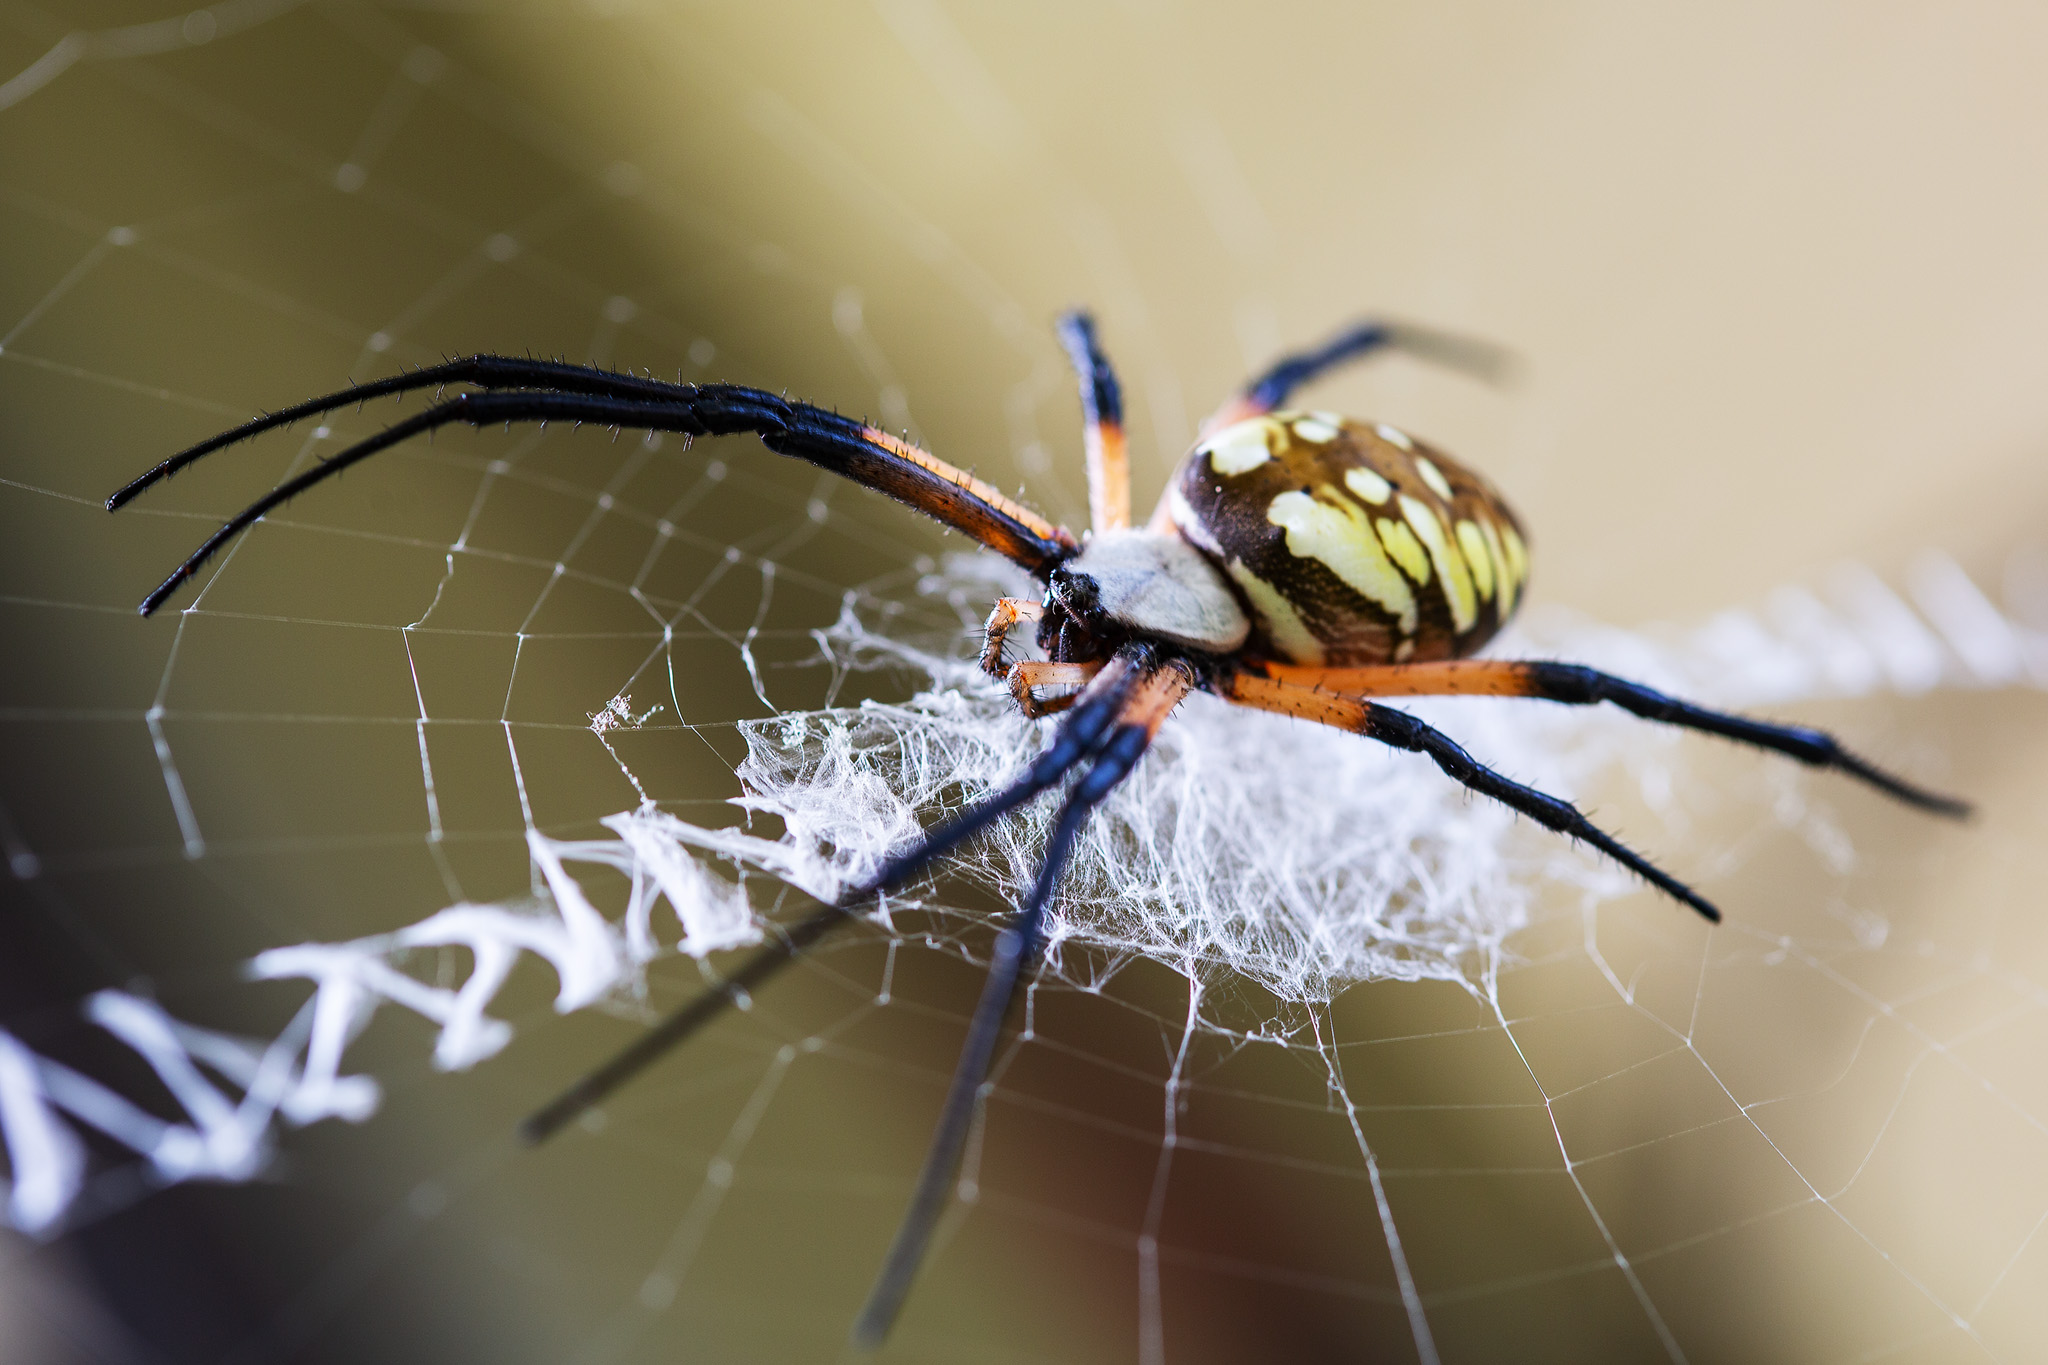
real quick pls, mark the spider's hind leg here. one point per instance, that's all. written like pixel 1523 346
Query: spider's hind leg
pixel 1577 685
pixel 1403 731
pixel 862 454
pixel 1270 389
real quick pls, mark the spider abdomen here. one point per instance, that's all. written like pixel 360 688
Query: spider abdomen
pixel 1353 544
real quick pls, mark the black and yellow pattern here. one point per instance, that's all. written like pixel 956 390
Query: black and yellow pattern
pixel 1352 543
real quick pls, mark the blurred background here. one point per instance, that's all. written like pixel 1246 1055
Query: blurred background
pixel 1775 275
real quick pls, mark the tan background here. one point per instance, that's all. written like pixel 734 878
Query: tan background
pixel 1777 279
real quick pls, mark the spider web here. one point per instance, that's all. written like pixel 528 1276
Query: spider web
pixel 452 776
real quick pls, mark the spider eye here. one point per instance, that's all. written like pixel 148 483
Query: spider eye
pixel 1074 591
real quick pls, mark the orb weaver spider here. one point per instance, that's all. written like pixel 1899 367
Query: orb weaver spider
pixel 1299 562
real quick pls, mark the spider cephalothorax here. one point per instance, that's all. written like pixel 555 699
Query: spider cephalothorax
pixel 1300 562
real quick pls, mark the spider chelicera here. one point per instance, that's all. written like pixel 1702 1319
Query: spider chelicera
pixel 1300 562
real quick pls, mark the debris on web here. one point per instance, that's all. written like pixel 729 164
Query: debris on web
pixel 618 714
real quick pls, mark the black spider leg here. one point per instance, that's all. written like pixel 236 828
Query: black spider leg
pixel 485 371
pixel 1078 736
pixel 1102 398
pixel 1479 358
pixel 832 442
pixel 1404 731
pixel 1577 685
pixel 1102 424
pixel 1015 950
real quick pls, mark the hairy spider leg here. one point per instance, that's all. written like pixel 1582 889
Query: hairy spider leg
pixel 1081 734
pixel 1403 731
pixel 1102 430
pixel 1577 685
pixel 867 456
pixel 484 371
pixel 1016 949
pixel 1271 388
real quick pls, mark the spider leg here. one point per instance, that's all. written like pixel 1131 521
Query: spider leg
pixel 1080 735
pixel 1270 389
pixel 1102 414
pixel 863 454
pixel 1577 685
pixel 1016 949
pixel 1403 731
pixel 485 371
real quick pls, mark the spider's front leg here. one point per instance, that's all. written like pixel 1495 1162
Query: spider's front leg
pixel 1157 690
pixel 517 391
pixel 1102 425
pixel 1076 740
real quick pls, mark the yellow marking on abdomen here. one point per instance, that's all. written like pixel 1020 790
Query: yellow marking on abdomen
pixel 1405 548
pixel 1477 558
pixel 1433 476
pixel 1284 626
pixel 1508 586
pixel 1450 565
pixel 1339 539
pixel 1240 448
pixel 1368 485
pixel 1518 555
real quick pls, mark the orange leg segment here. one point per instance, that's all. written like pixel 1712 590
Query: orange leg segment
pixel 1109 476
pixel 1330 708
pixel 1102 412
pixel 1155 697
pixel 1451 678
